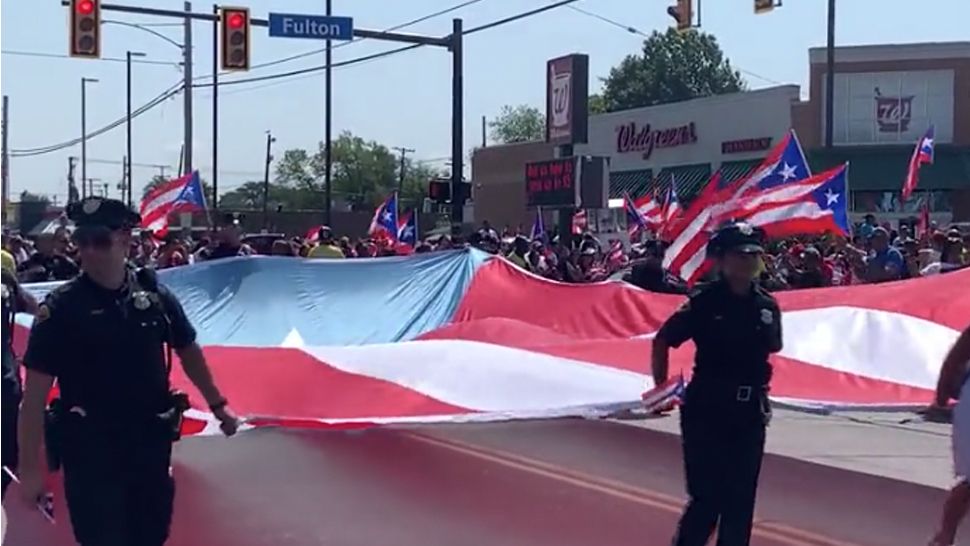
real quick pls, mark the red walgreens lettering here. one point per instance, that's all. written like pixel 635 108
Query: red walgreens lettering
pixel 630 139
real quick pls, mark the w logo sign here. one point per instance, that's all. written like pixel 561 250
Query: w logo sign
pixel 561 92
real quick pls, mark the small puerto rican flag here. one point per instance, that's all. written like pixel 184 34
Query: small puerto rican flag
pixel 664 397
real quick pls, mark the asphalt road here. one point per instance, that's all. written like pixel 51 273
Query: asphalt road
pixel 566 482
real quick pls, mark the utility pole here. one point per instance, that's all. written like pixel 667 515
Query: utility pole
pixel 457 123
pixel 269 159
pixel 84 134
pixel 127 180
pixel 484 132
pixel 187 72
pixel 400 180
pixel 72 195
pixel 90 185
pixel 328 110
pixel 4 157
pixel 830 77
pixel 125 185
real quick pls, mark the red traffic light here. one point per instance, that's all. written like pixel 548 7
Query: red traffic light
pixel 85 7
pixel 236 20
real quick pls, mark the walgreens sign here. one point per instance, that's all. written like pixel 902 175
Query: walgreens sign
pixel 645 139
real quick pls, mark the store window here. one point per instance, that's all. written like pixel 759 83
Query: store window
pixel 889 201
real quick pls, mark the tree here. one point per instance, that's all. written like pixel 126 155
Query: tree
pixel 521 123
pixel 673 67
pixel 596 104
pixel 364 173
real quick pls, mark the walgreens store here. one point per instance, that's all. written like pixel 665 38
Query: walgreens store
pixel 684 143
pixel 647 149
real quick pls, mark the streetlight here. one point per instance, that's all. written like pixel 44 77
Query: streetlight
pixel 84 134
pixel 128 58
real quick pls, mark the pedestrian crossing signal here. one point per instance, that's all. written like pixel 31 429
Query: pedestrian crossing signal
pixel 85 29
pixel 764 6
pixel 234 25
pixel 683 14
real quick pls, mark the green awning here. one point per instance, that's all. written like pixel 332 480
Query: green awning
pixel 883 169
pixel 735 170
pixel 634 183
pixel 689 180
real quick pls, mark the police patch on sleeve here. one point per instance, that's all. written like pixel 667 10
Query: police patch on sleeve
pixel 43 313
pixel 767 316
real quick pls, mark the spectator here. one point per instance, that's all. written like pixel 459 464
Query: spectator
pixel 49 263
pixel 811 273
pixel 885 263
pixel 519 249
pixel 171 253
pixel 325 249
pixel 867 227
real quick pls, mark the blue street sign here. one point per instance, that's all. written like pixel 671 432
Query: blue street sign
pixel 316 27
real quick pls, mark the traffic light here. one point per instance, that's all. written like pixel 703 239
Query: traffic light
pixel 86 28
pixel 235 38
pixel 764 6
pixel 439 191
pixel 683 14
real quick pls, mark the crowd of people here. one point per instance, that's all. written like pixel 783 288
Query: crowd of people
pixel 875 253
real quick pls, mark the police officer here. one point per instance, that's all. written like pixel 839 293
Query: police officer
pixel 735 325
pixel 230 242
pixel 15 300
pixel 103 336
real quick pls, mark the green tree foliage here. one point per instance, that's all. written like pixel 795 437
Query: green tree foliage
pixel 520 123
pixel 672 67
pixel 364 173
pixel 597 105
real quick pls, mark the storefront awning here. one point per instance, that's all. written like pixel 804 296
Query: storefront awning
pixel 735 170
pixel 884 168
pixel 634 183
pixel 689 180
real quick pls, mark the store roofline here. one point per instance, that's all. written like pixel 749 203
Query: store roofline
pixel 892 52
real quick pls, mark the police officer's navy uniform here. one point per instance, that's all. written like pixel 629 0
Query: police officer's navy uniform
pixel 725 410
pixel 107 350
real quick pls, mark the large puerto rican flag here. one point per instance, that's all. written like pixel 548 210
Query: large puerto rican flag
pixel 463 336
pixel 183 194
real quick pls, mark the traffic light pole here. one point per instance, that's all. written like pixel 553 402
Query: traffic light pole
pixel 215 110
pixel 328 135
pixel 453 42
pixel 830 77
pixel 187 104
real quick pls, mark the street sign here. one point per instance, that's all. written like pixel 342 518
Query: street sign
pixel 315 27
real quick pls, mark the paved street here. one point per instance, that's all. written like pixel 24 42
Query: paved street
pixel 563 482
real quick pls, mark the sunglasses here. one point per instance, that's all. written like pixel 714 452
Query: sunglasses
pixel 93 238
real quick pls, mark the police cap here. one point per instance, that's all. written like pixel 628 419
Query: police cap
pixel 99 212
pixel 737 237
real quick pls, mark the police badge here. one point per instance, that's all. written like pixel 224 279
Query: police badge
pixel 141 301
pixel 766 316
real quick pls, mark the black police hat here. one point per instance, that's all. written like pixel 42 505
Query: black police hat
pixel 98 212
pixel 737 237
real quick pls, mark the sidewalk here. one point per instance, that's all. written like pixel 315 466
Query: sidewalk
pixel 899 446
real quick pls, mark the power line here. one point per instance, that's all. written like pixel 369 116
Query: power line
pixel 634 30
pixel 355 40
pixel 159 99
pixel 389 52
pixel 178 87
pixel 46 55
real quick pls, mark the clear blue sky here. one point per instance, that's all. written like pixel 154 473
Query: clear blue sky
pixel 403 100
